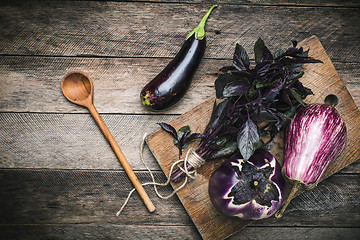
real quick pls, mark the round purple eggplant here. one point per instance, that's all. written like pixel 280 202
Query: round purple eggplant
pixel 250 189
pixel 171 84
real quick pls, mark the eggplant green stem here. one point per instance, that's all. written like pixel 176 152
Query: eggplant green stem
pixel 199 31
pixel 292 194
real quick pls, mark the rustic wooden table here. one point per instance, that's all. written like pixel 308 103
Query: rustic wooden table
pixel 59 177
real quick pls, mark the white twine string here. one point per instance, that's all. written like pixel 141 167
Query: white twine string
pixel 191 158
pixel 194 160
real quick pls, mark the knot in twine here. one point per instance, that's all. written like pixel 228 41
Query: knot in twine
pixel 191 158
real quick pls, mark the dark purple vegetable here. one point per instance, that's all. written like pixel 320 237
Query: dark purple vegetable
pixel 171 84
pixel 314 139
pixel 250 189
pixel 254 103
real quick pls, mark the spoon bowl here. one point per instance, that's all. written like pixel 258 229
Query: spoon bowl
pixel 78 88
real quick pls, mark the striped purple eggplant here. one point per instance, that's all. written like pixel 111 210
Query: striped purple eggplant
pixel 314 139
pixel 251 189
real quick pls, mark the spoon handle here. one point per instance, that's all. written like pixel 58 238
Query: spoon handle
pixel 135 181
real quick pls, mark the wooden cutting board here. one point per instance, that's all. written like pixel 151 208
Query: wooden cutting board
pixel 321 78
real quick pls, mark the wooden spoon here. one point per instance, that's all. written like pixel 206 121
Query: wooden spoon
pixel 78 88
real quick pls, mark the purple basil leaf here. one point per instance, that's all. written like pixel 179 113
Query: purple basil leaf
pixel 262 53
pixel 307 91
pixel 248 138
pixel 295 75
pixel 275 118
pixel 267 55
pixel 286 118
pixel 241 59
pixel 236 88
pixel 209 125
pixel 284 96
pixel 293 51
pixel 218 114
pixel 227 150
pixel 187 138
pixel 297 63
pixel 184 137
pixel 278 54
pixel 195 136
pixel 303 91
pixel 290 113
pixel 170 129
pixel 259 50
pixel 272 93
pixel 245 74
pixel 184 141
pixel 264 116
pixel 221 82
pixel 262 68
pixel 306 53
pixel 182 134
pixel 297 96
pixel 230 130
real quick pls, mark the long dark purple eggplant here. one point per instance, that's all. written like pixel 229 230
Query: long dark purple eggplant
pixel 171 84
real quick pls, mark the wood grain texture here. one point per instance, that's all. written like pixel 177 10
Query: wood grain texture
pixel 321 78
pixel 128 29
pixel 52 187
pixel 40 201
pixel 32 84
pixel 75 197
pixel 125 232
pixel 321 3
pixel 34 140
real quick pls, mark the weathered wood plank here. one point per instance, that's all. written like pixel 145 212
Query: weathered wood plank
pixel 99 231
pixel 117 231
pixel 322 3
pixel 137 29
pixel 32 84
pixel 35 140
pixel 80 196
pixel 73 141
pixel 292 233
pixel 30 196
